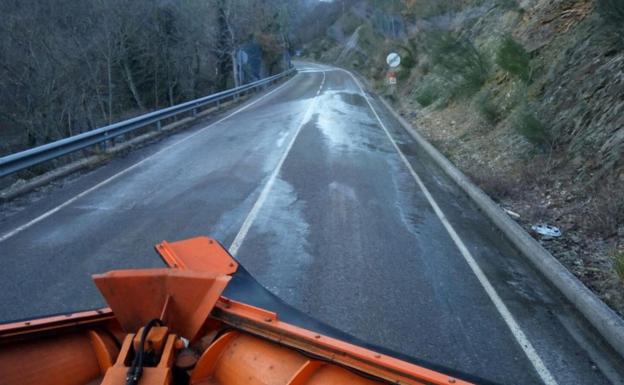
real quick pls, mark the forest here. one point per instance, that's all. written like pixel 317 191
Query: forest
pixel 68 67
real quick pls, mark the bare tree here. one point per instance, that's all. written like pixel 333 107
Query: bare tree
pixel 71 66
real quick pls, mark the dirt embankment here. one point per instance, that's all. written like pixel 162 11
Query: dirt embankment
pixel 527 98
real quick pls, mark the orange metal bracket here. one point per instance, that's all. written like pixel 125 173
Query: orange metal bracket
pixel 198 254
pixel 183 299
pixel 158 375
pixel 85 318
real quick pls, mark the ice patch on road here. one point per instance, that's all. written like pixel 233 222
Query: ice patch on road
pixel 276 249
pixel 281 138
pixel 410 213
pixel 230 221
pixel 344 125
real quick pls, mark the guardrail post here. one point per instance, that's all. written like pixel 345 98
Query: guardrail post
pixel 158 125
pixel 104 145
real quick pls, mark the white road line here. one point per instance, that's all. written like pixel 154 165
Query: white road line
pixel 89 190
pixel 253 214
pixel 518 334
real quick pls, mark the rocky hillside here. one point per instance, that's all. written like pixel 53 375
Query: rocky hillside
pixel 527 97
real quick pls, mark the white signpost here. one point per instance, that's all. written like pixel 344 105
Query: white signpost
pixel 393 59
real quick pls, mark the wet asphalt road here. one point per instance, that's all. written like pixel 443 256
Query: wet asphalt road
pixel 343 233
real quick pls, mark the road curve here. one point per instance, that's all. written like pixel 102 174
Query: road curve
pixel 326 199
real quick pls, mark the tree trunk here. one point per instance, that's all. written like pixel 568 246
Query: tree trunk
pixel 222 46
pixel 171 96
pixel 235 71
pixel 132 86
pixel 109 79
pixel 155 85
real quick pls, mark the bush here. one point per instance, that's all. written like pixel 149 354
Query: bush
pixel 487 108
pixel 426 96
pixel 529 126
pixel 426 9
pixel 512 57
pixel 508 4
pixel 407 62
pixel 405 69
pixel 458 61
pixel 613 12
pixel 430 91
pixel 618 263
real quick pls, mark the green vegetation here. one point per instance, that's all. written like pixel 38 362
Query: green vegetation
pixel 407 63
pixel 529 126
pixel 613 12
pixel 513 58
pixel 426 9
pixel 425 96
pixel 487 108
pixel 457 60
pixel 508 4
pixel 618 263
pixel 431 89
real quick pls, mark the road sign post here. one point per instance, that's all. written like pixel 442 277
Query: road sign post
pixel 394 60
pixel 391 78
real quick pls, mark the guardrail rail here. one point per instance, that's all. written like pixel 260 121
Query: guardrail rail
pixel 22 160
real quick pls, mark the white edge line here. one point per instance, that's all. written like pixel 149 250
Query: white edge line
pixel 253 213
pixel 517 332
pixel 93 188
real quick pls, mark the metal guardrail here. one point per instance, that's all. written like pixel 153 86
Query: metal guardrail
pixel 24 159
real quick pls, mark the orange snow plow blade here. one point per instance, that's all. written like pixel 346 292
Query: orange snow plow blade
pixel 175 326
